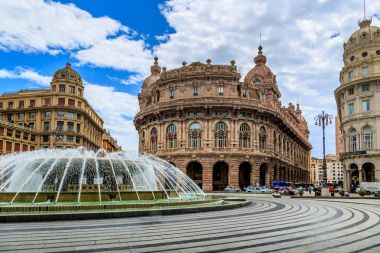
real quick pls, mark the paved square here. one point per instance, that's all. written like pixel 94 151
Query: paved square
pixel 268 225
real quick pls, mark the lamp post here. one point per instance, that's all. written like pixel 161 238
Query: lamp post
pixel 323 120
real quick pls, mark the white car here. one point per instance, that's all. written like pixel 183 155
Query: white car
pixel 258 190
pixel 231 188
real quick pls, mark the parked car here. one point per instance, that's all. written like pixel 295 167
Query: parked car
pixel 232 188
pixel 258 190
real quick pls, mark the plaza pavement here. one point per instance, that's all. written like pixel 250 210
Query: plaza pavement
pixel 268 225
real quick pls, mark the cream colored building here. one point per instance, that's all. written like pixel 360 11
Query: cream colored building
pixel 358 102
pixel 334 169
pixel 220 130
pixel 58 117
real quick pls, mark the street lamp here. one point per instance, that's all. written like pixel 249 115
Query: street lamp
pixel 323 120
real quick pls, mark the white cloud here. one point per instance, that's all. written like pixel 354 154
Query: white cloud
pixel 117 110
pixel 27 74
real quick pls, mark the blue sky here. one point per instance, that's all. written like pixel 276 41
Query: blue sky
pixel 111 44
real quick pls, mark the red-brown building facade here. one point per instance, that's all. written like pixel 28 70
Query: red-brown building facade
pixel 220 130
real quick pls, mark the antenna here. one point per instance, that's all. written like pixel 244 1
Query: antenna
pixel 156 54
pixel 260 36
pixel 364 9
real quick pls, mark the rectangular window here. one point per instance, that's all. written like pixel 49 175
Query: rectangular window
pixel 79 92
pixel 45 138
pixel 62 88
pixel 78 128
pixel 70 126
pixel 47 115
pixel 60 114
pixel 72 89
pixel 31 125
pixel 364 71
pixel 47 101
pixel 54 88
pixel 171 92
pixel 351 108
pixel 32 103
pixel 10 105
pixel 350 74
pixel 21 104
pixel 1 105
pixel 195 89
pixel 69 138
pixel 71 102
pixel 59 126
pixel 61 101
pixel 366 106
pixel 367 141
pixel 32 115
pixel 221 90
pixel 70 115
pixel 21 116
pixel 365 87
pixel 46 126
pixel 79 104
pixel 351 91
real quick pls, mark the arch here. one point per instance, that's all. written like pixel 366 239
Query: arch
pixel 262 137
pixel 157 96
pixel 245 170
pixel 171 136
pixel 153 139
pixel 219 176
pixel 274 141
pixel 245 136
pixel 367 137
pixel 194 170
pixel 220 135
pixel 263 172
pixel 195 135
pixel 368 172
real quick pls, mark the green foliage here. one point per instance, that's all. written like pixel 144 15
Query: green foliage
pixel 355 178
pixel 341 193
pixel 300 192
pixel 362 193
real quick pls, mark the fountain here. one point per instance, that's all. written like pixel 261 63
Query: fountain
pixel 78 184
pixel 82 176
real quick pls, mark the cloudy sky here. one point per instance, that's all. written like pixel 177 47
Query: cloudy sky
pixel 111 44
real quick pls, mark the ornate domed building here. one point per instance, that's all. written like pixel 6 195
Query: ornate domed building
pixel 58 117
pixel 219 130
pixel 358 103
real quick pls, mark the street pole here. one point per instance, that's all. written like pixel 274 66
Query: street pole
pixel 323 120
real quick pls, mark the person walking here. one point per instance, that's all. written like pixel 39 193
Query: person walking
pixel 309 189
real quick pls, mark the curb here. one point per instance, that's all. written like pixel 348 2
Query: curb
pixel 116 214
pixel 328 197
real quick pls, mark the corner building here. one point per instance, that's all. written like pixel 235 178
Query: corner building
pixel 58 117
pixel 219 130
pixel 358 104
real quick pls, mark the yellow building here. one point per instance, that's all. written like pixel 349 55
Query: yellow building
pixel 110 143
pixel 358 102
pixel 58 117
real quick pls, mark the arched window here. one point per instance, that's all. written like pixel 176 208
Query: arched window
pixel 274 141
pixel 245 136
pixel 195 135
pixel 262 138
pixel 353 140
pixel 153 139
pixel 221 90
pixel 367 138
pixel 245 92
pixel 279 144
pixel 195 93
pixel 220 135
pixel 171 136
pixel 171 92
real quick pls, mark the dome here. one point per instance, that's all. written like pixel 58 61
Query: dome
pixel 155 75
pixel 366 33
pixel 261 74
pixel 67 73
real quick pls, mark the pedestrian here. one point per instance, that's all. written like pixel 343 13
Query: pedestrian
pixel 309 189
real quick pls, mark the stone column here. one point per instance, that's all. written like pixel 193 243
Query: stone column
pixel 347 180
pixel 360 175
pixel 255 173
pixel 207 176
pixel 233 173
